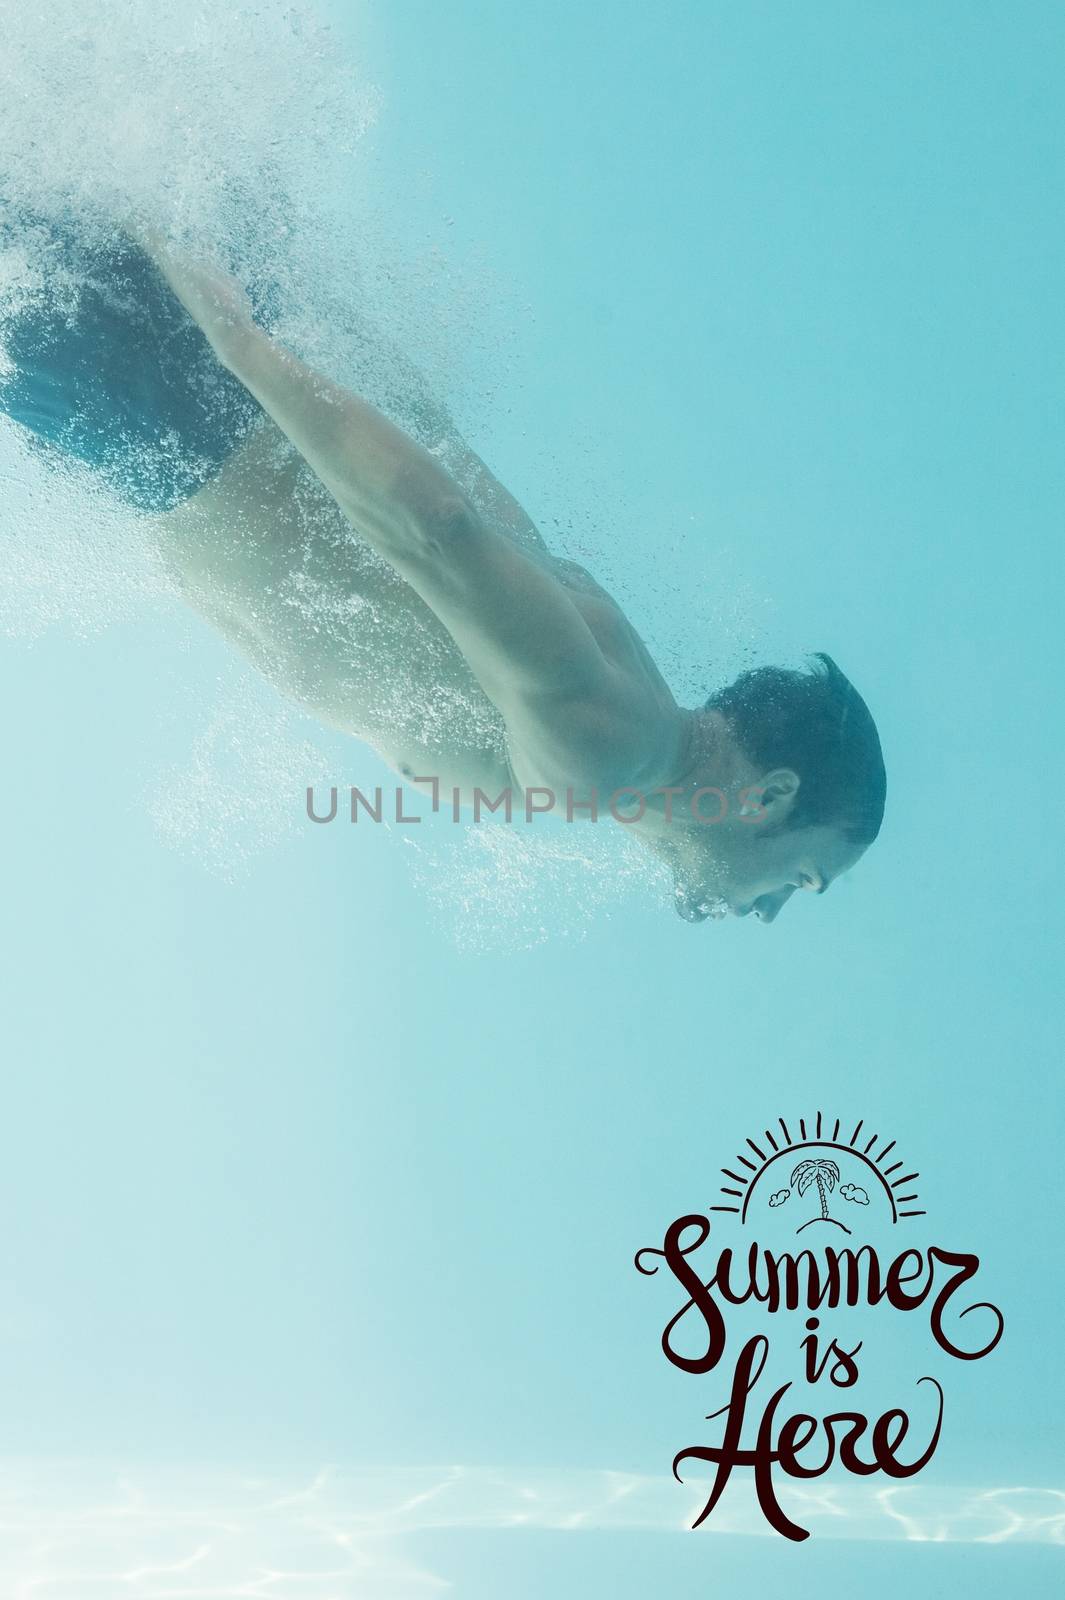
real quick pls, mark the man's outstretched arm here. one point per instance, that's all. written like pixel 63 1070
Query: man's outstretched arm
pixel 523 636
pixel 423 416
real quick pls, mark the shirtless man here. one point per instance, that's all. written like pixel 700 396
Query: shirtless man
pixel 399 592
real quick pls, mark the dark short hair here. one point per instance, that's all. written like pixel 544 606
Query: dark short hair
pixel 816 723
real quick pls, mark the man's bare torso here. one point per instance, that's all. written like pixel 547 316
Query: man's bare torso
pixel 267 557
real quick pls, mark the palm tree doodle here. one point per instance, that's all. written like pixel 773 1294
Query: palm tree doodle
pixel 825 1174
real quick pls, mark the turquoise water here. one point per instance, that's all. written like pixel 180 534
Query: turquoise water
pixel 329 1151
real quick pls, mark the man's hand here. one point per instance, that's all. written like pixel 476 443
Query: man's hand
pixel 212 297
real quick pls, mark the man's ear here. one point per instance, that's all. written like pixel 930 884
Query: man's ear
pixel 779 789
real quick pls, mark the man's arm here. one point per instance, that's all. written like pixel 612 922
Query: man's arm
pixel 524 638
pixel 409 402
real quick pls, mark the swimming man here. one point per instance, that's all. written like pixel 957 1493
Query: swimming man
pixel 382 577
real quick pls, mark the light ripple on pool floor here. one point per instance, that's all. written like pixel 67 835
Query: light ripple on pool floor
pixel 340 1533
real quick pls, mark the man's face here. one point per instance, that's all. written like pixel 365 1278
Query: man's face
pixel 750 869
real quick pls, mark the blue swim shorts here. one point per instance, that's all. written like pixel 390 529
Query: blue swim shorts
pixel 106 365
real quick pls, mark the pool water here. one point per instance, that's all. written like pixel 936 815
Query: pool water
pixel 330 1150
